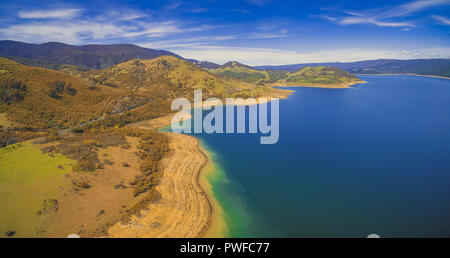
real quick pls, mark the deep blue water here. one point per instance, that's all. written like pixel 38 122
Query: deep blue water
pixel 349 162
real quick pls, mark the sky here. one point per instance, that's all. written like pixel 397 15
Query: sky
pixel 253 32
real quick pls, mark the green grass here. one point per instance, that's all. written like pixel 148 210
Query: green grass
pixel 27 177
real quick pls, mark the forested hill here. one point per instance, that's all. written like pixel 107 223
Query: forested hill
pixel 53 54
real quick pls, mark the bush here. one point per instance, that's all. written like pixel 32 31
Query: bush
pixel 11 90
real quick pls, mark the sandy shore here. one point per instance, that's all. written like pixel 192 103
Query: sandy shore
pixel 187 207
pixel 184 209
pixel 328 86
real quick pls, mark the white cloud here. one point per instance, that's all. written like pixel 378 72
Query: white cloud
pixel 442 19
pixel 49 14
pixel 369 20
pixel 264 56
pixel 64 25
pixel 416 6
pixel 386 17
pixel 75 32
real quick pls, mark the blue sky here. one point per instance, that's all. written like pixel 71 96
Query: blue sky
pixel 255 32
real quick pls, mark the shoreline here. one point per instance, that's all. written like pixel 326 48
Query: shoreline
pixel 184 210
pixel 217 226
pixel 327 86
pixel 212 223
pixel 422 75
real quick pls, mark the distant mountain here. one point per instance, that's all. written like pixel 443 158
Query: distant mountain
pixel 340 65
pixel 439 67
pixel 204 64
pixel 53 54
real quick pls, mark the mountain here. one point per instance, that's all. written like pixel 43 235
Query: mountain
pixel 124 93
pixel 204 64
pixel 438 67
pixel 340 65
pixel 53 54
pixel 319 75
pixel 164 74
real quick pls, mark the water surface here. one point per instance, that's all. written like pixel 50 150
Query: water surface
pixel 350 162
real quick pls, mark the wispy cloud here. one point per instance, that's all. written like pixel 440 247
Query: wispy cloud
pixel 49 14
pixel 385 17
pixel 442 19
pixel 206 41
pixel 69 26
pixel 259 2
pixel 325 17
pixel 374 21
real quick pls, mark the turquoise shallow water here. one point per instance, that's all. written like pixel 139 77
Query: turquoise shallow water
pixel 349 162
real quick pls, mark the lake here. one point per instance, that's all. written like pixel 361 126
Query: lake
pixel 372 159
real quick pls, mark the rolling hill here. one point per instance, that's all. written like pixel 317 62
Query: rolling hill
pixel 320 76
pixel 124 93
pixel 53 54
pixel 239 71
pixel 304 76
pixel 164 75
pixel 42 98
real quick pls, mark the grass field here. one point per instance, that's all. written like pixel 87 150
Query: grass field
pixel 27 178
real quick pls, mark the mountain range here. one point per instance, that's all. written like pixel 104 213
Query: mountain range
pixel 437 67
pixel 54 55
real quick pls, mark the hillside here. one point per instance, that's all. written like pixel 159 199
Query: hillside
pixel 53 54
pixel 304 76
pixel 319 75
pixel 438 67
pixel 239 71
pixel 40 98
pixel 35 97
pixel 166 76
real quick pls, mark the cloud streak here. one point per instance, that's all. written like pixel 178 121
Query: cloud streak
pixel 385 17
pixel 49 14
pixel 67 25
pixel 442 19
